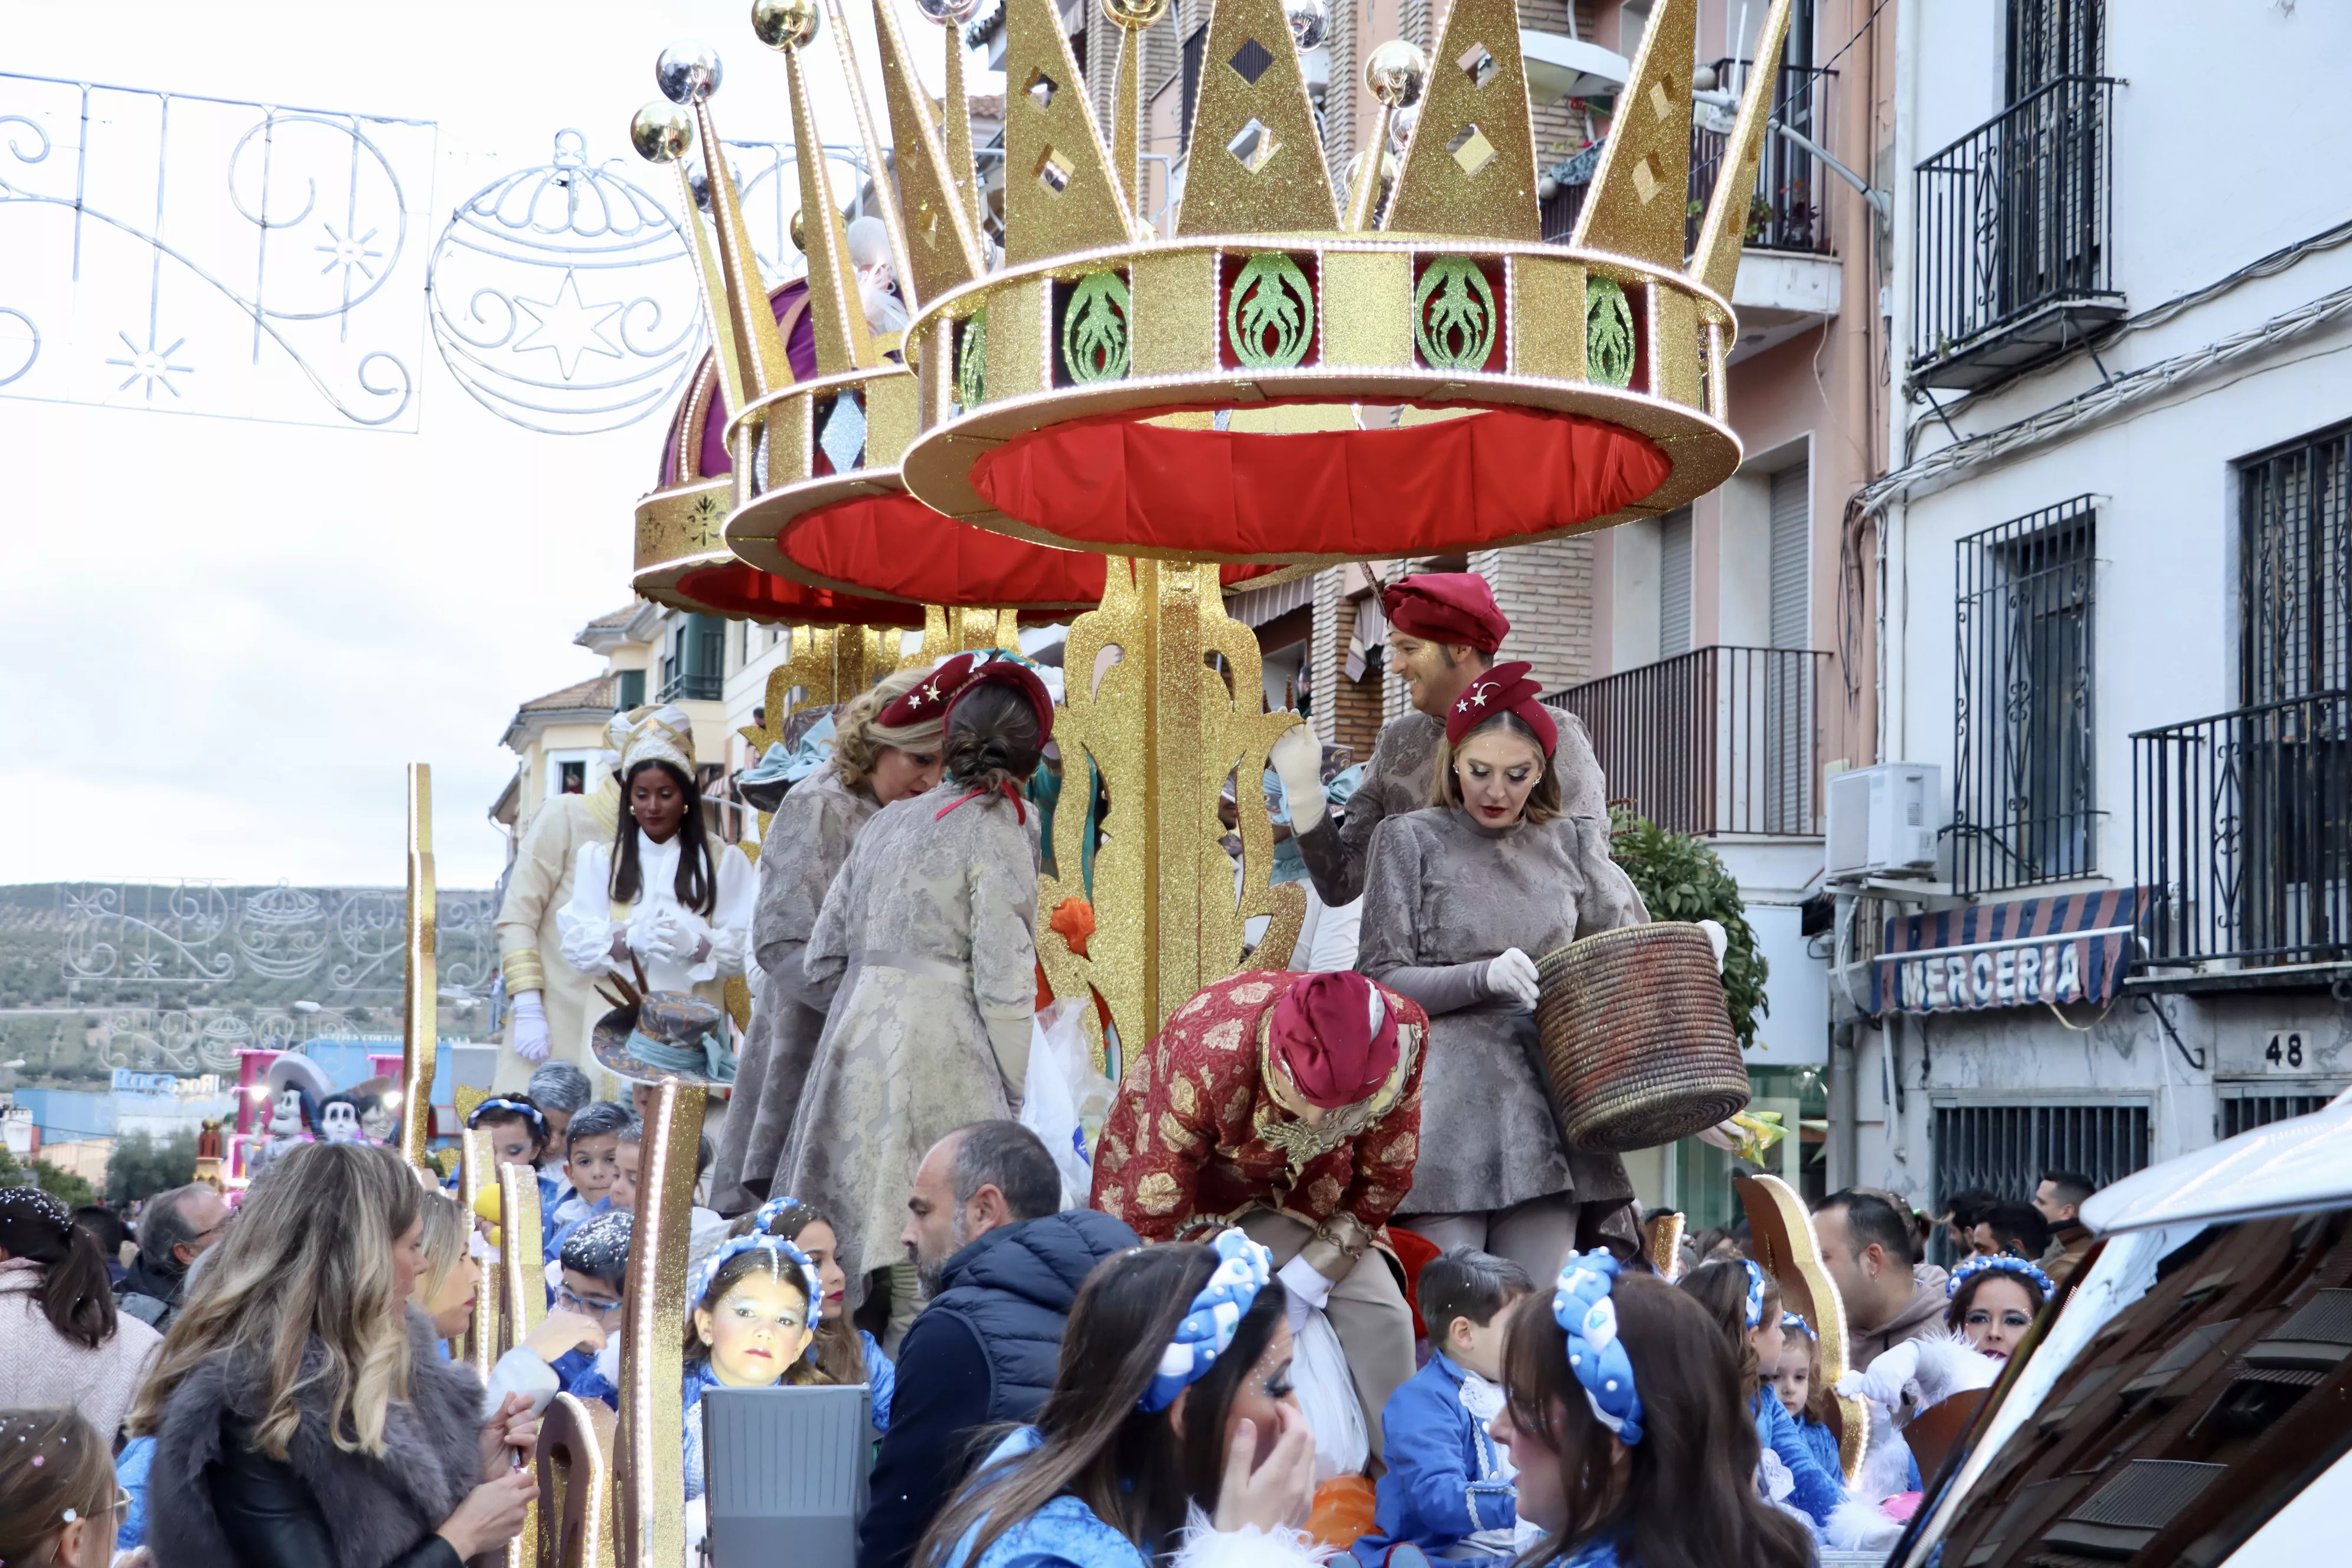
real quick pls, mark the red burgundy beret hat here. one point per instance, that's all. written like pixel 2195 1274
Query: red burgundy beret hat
pixel 1447 607
pixel 961 676
pixel 1503 688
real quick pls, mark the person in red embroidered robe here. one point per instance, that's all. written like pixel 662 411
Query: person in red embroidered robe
pixel 1289 1105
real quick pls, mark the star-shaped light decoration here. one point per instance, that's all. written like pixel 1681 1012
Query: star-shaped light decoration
pixel 568 327
pixel 352 254
pixel 151 364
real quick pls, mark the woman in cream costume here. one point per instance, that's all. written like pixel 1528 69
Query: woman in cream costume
pixel 660 893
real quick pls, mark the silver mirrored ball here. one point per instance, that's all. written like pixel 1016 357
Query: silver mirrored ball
pixel 955 12
pixel 1308 19
pixel 1397 72
pixel 687 72
pixel 661 133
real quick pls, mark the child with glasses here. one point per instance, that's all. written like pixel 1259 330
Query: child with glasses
pixel 59 1504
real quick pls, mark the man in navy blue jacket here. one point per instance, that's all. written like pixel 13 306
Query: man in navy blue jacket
pixel 1000 1263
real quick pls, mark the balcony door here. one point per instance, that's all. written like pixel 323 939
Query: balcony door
pixel 1788 682
pixel 2047 168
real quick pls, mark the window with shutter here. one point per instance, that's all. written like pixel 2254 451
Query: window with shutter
pixel 1792 557
pixel 1675 583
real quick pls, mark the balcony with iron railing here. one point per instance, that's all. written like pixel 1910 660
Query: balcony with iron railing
pixel 2013 252
pixel 1789 211
pixel 2242 830
pixel 1719 740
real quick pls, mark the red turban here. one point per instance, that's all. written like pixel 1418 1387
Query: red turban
pixel 1447 607
pixel 1503 688
pixel 1322 1034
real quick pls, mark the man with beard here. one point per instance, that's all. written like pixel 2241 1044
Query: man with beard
pixel 1001 1264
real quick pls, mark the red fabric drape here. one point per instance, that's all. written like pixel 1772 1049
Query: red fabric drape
pixel 895 544
pixel 744 593
pixel 1112 482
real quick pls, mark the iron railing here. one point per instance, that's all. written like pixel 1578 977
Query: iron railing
pixel 2004 1149
pixel 2015 221
pixel 1719 740
pixel 2024 784
pixel 2243 834
pixel 1789 210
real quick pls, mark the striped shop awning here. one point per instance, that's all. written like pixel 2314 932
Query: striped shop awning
pixel 2016 954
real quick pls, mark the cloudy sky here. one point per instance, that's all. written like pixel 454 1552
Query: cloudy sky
pixel 222 637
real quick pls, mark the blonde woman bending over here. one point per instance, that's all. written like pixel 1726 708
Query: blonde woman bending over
pixel 300 1414
pixel 808 839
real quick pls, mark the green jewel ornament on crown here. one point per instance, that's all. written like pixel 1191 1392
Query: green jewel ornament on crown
pixel 1271 298
pixel 971 361
pixel 1454 330
pixel 1093 329
pixel 1608 332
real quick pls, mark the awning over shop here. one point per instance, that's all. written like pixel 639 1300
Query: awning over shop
pixel 2015 954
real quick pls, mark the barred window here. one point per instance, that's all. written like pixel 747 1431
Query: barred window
pixel 2024 797
pixel 2291 569
pixel 2004 1149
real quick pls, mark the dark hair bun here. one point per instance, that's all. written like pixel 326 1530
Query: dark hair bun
pixel 992 739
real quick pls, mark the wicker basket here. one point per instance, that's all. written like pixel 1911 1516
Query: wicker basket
pixel 1637 1043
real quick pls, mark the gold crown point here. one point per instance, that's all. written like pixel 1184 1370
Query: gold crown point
pixel 1470 168
pixel 941 249
pixel 1637 206
pixel 1257 165
pixel 1715 260
pixel 1060 194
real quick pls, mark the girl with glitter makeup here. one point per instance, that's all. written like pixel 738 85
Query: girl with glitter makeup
pixel 1994 1301
pixel 1171 1432
pixel 844 1353
pixel 754 1314
pixel 1622 1414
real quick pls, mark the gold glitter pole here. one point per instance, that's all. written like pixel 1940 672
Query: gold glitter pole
pixel 877 172
pixel 1126 119
pixel 520 1293
pixel 652 1425
pixel 957 112
pixel 575 1493
pixel 420 991
pixel 480 1171
pixel 1366 197
pixel 1166 731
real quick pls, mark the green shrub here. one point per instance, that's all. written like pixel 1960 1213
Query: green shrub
pixel 1682 880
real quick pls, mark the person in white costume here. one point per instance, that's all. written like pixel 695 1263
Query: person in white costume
pixel 660 896
pixel 554 1004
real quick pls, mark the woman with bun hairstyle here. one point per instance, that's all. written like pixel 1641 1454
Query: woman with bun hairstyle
pixel 1624 1418
pixel 1460 900
pixel 61 1340
pixel 927 940
pixel 1172 1434
pixel 809 837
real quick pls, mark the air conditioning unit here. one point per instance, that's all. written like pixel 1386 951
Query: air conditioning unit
pixel 1883 821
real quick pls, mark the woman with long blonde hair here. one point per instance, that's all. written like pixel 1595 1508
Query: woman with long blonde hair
pixel 299 1412
pixel 811 835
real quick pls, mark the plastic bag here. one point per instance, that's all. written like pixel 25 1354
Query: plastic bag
pixel 1327 1396
pixel 1065 1101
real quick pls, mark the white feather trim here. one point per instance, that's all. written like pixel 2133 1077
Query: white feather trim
pixel 1949 1364
pixel 1886 1469
pixel 1248 1547
pixel 1857 1526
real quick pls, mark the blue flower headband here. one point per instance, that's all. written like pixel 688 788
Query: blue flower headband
pixel 766 1213
pixel 1999 1263
pixel 1582 1306
pixel 1755 1294
pixel 1791 1320
pixel 519 1108
pixel 774 1245
pixel 1243 1269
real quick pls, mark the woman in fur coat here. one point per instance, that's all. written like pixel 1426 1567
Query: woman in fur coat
pixel 1171 1433
pixel 300 1414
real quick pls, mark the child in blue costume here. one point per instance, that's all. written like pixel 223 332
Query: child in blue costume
pixel 1623 1416
pixel 1745 1303
pixel 844 1353
pixel 1171 1433
pixel 1810 1402
pixel 519 1136
pixel 1449 1490
pixel 592 1153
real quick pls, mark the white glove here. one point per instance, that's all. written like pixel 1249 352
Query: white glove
pixel 1307 1286
pixel 1718 939
pixel 527 1031
pixel 1296 759
pixel 1511 974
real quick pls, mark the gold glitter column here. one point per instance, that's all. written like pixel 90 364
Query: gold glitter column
pixel 478 1170
pixel 520 1293
pixel 420 990
pixel 652 1359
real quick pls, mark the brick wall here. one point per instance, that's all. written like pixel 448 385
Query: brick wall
pixel 1546 592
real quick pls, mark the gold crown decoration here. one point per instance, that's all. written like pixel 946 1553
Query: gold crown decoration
pixel 817 498
pixel 1211 395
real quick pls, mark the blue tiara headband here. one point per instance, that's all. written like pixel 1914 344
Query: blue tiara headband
pixel 1999 1263
pixel 1582 1306
pixel 768 1213
pixel 778 1248
pixel 1790 1321
pixel 1755 1294
pixel 1243 1269
pixel 499 1102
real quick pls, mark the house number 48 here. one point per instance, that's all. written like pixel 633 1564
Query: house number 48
pixel 2286 1053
